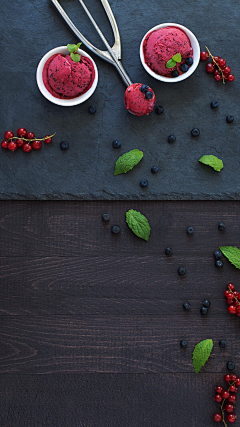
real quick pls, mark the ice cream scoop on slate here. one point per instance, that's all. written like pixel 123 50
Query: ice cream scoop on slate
pixel 139 99
pixel 67 79
pixel 161 45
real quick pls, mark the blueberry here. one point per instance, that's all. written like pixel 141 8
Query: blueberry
pixel 195 132
pixel 144 88
pixel 175 73
pixel 189 60
pixel 206 303
pixel 221 226
pixel 116 143
pixel 154 169
pixel 171 139
pixel 229 119
pixel 182 271
pixel 184 68
pixel 105 217
pixel 217 255
pixel 183 343
pixel 186 306
pixel 223 343
pixel 159 110
pixel 204 310
pixel 148 94
pixel 144 183
pixel 168 251
pixel 214 104
pixel 64 145
pixel 92 109
pixel 189 231
pixel 219 263
pixel 230 366
pixel 115 229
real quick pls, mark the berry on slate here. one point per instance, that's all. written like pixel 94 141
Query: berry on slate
pixel 182 271
pixel 186 306
pixel 206 303
pixel 230 78
pixel 27 148
pixel 217 255
pixel 218 398
pixel 214 104
pixel 229 119
pixel 233 389
pixel 8 134
pixel 148 94
pixel 204 55
pixel 184 68
pixel 154 169
pixel 221 226
pixel 143 183
pixel 217 77
pixel 227 378
pixel 30 135
pixel 189 231
pixel 219 263
pixel 222 343
pixel 204 310
pixel 159 110
pixel 210 68
pixel 232 398
pixel 115 229
pixel 168 251
pixel 230 366
pixel 47 139
pixel 219 389
pixel 171 139
pixel 183 343
pixel 175 73
pixel 64 145
pixel 225 394
pixel 144 88
pixel 229 408
pixel 105 217
pixel 37 145
pixel 189 60
pixel 12 146
pixel 4 144
pixel 116 143
pixel 217 417
pixel 92 109
pixel 226 71
pixel 19 142
pixel 232 418
pixel 195 132
pixel 22 132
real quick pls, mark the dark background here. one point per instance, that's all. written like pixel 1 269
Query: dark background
pixel 31 28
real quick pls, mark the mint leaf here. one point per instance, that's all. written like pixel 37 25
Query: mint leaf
pixel 232 254
pixel 201 354
pixel 177 57
pixel 78 45
pixel 127 161
pixel 171 63
pixel 71 48
pixel 138 223
pixel 212 161
pixel 75 57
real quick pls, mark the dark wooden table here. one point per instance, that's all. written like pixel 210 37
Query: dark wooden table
pixel 91 322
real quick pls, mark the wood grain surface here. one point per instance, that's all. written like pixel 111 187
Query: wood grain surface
pixel 91 322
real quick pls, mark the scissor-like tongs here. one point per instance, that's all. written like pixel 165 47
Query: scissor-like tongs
pixel 112 54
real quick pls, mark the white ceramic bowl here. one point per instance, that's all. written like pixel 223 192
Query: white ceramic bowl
pixel 196 55
pixel 64 102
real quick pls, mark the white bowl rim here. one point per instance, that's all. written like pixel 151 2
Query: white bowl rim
pixel 64 102
pixel 196 51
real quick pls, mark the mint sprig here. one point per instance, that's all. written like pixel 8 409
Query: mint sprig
pixel 73 48
pixel 172 62
pixel 201 354
pixel 213 161
pixel 232 254
pixel 138 223
pixel 127 161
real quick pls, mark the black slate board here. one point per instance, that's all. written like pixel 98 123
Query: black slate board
pixel 85 171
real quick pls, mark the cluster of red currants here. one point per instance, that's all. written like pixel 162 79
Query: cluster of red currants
pixel 227 398
pixel 233 300
pixel 25 140
pixel 218 67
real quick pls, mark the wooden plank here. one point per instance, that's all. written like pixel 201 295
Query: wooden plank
pixel 113 344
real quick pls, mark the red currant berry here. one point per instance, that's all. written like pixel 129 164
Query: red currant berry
pixel 30 135
pixel 218 78
pixel 226 71
pixel 37 145
pixel 231 286
pixel 217 417
pixel 233 389
pixel 27 148
pixel 19 142
pixel 47 139
pixel 229 408
pixel 237 382
pixel 218 389
pixel 230 78
pixel 233 377
pixel 231 418
pixel 232 398
pixel 4 144
pixel 222 62
pixel 232 309
pixel 225 394
pixel 22 132
pixel 218 398
pixel 12 146
pixel 210 67
pixel 204 55
pixel 227 378
pixel 230 301
pixel 235 294
pixel 8 134
pixel 226 293
pixel 216 58
pixel 216 72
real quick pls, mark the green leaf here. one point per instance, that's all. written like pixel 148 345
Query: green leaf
pixel 201 354
pixel 78 45
pixel 72 48
pixel 138 224
pixel 171 63
pixel 127 161
pixel 177 57
pixel 213 161
pixel 75 57
pixel 232 254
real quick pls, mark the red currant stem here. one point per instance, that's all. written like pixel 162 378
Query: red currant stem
pixel 31 140
pixel 221 406
pixel 234 296
pixel 221 71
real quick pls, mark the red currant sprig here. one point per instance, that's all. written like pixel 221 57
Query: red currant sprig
pixel 217 66
pixel 228 399
pixel 233 300
pixel 25 140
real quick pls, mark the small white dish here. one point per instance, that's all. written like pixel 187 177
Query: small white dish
pixel 196 55
pixel 64 102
